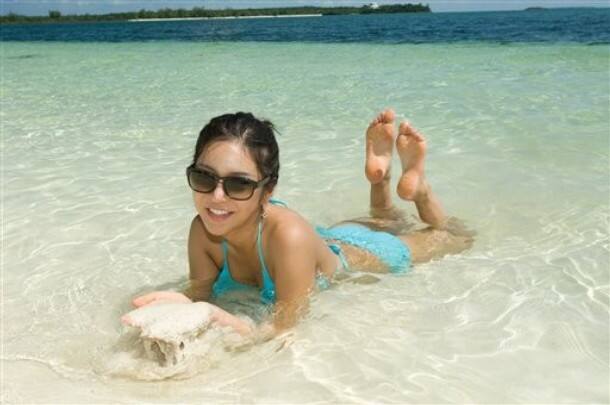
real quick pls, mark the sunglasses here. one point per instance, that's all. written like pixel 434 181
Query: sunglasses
pixel 235 187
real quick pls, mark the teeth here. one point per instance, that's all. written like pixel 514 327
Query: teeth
pixel 218 212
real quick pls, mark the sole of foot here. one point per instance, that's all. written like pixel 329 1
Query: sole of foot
pixel 379 146
pixel 411 147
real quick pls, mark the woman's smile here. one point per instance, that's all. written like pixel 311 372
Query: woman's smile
pixel 218 215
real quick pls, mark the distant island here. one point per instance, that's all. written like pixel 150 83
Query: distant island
pixel 203 13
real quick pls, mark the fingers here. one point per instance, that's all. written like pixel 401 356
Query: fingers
pixel 149 298
pixel 126 320
pixel 156 297
pixel 144 299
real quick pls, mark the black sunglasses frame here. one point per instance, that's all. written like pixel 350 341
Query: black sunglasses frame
pixel 255 184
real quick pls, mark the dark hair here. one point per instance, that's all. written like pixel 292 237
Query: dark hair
pixel 257 135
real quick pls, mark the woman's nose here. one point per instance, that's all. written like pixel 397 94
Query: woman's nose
pixel 219 191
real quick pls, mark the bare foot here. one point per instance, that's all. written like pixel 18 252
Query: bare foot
pixel 379 145
pixel 411 147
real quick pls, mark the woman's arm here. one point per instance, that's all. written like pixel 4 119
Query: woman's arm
pixel 293 259
pixel 294 263
pixel 202 269
pixel 202 273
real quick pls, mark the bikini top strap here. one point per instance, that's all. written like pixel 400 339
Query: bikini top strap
pixel 267 281
pixel 275 201
pixel 225 250
pixel 225 259
pixel 224 281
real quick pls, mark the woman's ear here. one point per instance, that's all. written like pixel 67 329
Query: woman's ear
pixel 267 194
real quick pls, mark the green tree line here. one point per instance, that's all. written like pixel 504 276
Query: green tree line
pixel 201 12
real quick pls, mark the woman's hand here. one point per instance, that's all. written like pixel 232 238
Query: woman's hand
pixel 218 315
pixel 223 318
pixel 157 297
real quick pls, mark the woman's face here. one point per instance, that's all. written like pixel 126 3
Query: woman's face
pixel 221 214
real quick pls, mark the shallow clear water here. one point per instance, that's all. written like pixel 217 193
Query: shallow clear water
pixel 95 140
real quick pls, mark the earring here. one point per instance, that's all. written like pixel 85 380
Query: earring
pixel 264 214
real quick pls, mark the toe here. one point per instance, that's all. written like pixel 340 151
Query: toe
pixel 404 128
pixel 387 116
pixel 417 136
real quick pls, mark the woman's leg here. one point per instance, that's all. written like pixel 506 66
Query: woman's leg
pixel 380 141
pixel 439 238
pixel 412 186
pixel 432 242
pixel 428 244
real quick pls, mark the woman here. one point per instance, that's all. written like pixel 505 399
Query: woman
pixel 243 238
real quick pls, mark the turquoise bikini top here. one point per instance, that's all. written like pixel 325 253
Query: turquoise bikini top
pixel 225 281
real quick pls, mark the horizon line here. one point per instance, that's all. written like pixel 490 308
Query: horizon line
pixel 289 7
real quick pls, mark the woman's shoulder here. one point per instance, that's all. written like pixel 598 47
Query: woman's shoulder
pixel 292 248
pixel 287 227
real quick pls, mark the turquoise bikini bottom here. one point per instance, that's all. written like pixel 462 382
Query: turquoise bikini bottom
pixel 387 247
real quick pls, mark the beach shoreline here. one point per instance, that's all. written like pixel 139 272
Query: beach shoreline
pixel 222 18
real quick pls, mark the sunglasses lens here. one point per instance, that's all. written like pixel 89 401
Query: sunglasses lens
pixel 239 188
pixel 202 181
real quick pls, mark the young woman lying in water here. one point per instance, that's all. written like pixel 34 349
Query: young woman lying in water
pixel 243 237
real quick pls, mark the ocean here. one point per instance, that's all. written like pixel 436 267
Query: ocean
pixel 99 122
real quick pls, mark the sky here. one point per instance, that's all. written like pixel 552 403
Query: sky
pixel 42 7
